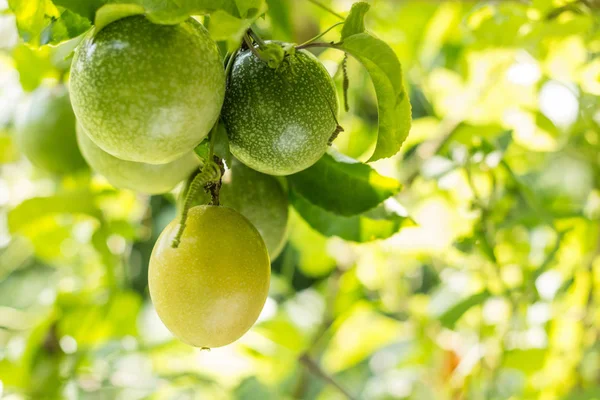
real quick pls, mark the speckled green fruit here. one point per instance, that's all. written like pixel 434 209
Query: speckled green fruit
pixel 45 130
pixel 279 121
pixel 145 92
pixel 211 289
pixel 141 177
pixel 258 197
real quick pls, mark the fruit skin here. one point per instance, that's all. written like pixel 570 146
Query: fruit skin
pixel 279 121
pixel 211 289
pixel 261 199
pixel 46 131
pixel 145 92
pixel 141 177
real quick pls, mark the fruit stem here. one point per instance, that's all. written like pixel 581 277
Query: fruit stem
pixel 214 187
pixel 250 45
pixel 315 369
pixel 211 172
pixel 229 65
pixel 346 82
pixel 261 43
pixel 331 45
pixel 321 34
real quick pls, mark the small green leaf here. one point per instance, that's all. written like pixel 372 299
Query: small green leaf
pixel 203 149
pixel 114 12
pixel 378 223
pixel 355 22
pixel 342 185
pixel 453 314
pixel 393 104
pixel 67 26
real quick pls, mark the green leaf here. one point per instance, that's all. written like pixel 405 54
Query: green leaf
pixel 393 104
pixel 31 210
pixel 453 314
pixel 33 16
pixel 33 65
pixel 342 185
pixel 378 223
pixel 41 22
pixel 85 8
pixel 355 22
pixel 67 26
pixel 113 12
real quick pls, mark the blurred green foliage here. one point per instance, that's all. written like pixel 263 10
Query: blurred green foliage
pixel 494 293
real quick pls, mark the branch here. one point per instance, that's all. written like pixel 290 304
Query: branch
pixel 315 369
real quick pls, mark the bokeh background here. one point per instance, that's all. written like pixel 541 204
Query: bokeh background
pixel 494 294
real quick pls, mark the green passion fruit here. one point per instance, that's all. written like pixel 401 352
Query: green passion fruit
pixel 141 177
pixel 45 130
pixel 279 121
pixel 145 92
pixel 211 289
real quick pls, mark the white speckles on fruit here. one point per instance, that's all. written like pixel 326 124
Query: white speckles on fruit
pixel 141 177
pixel 279 122
pixel 145 92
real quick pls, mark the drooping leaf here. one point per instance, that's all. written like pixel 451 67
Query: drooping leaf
pixel 342 185
pixel 393 103
pixel 378 223
pixel 453 314
pixel 355 22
